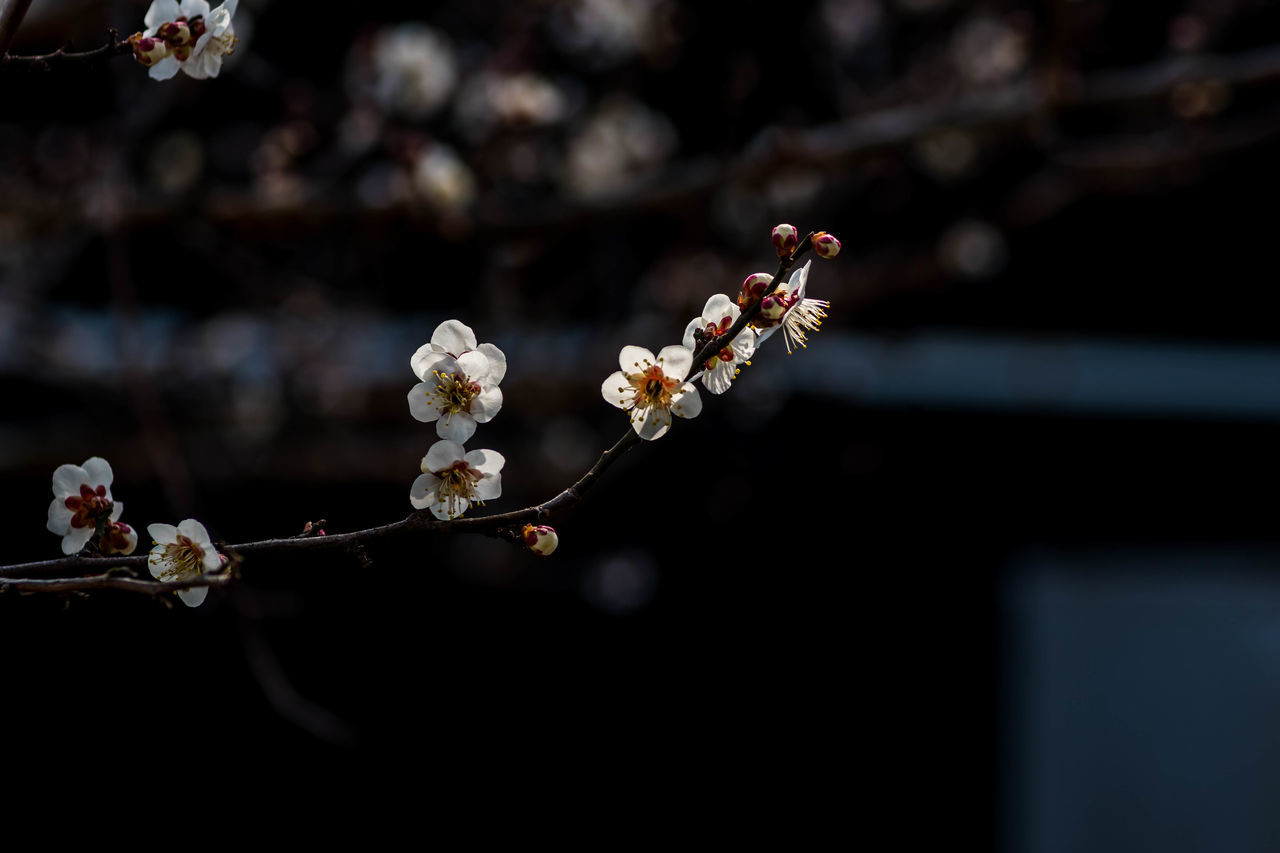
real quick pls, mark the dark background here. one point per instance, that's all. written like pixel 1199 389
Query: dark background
pixel 993 559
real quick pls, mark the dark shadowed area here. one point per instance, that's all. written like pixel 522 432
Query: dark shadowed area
pixel 994 559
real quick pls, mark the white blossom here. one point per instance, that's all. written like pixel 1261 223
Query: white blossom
pixel 653 388
pixel 459 386
pixel 182 553
pixel 203 58
pixel 717 316
pixel 453 479
pixel 81 496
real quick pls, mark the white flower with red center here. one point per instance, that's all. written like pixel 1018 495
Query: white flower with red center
pixel 459 386
pixel 786 308
pixel 717 316
pixel 182 553
pixel 653 388
pixel 453 479
pixel 185 35
pixel 81 498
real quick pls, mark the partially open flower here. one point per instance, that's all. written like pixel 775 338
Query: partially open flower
pixel 653 389
pixel 81 498
pixel 459 386
pixel 540 539
pixel 786 308
pixel 117 537
pixel 717 316
pixel 182 553
pixel 452 479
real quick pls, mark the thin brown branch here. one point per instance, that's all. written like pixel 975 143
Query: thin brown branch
pixel 64 56
pixel 110 581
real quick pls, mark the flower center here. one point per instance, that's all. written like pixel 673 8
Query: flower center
pixel 458 483
pixel 653 387
pixel 454 392
pixel 88 506
pixel 709 333
pixel 184 558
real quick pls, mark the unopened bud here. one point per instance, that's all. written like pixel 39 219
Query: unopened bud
pixel 181 53
pixel 754 285
pixel 175 33
pixel 825 245
pixel 785 239
pixel 541 540
pixel 118 538
pixel 197 27
pixel 146 50
pixel 773 307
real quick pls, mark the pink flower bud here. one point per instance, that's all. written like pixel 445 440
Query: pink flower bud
pixel 118 538
pixel 785 239
pixel 146 50
pixel 175 33
pixel 541 540
pixel 773 307
pixel 754 285
pixel 825 245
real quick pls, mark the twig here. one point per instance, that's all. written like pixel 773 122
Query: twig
pixel 63 55
pixel 111 581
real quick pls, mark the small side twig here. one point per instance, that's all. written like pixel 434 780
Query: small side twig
pixel 64 55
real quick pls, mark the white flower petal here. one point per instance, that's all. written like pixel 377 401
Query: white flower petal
pixel 798 280
pixel 617 390
pixel 164 69
pixel 67 480
pixel 486 461
pixel 717 308
pixel 194 531
pixel 744 345
pixel 676 361
pixel 161 12
pixel 456 426
pixel 687 404
pixel 162 534
pixel 688 341
pixel 718 380
pixel 425 361
pixel 423 403
pixel 453 337
pixel 59 517
pixel 423 491
pixel 442 455
pixel 191 8
pixel 446 508
pixel 651 422
pixel 117 510
pixel 487 404
pixel 475 366
pixel 99 471
pixel 489 488
pixel 635 359
pixel 497 362
pixel 193 597
pixel 76 538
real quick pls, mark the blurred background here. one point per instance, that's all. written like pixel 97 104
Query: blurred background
pixel 997 550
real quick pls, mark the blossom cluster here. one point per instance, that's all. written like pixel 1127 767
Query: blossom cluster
pixel 187 36
pixel 653 388
pixel 458 389
pixel 84 513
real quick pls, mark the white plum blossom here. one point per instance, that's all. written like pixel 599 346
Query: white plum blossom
pixel 459 386
pixel 187 36
pixel 81 497
pixel 717 316
pixel 653 388
pixel 182 553
pixel 453 479
pixel 786 308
